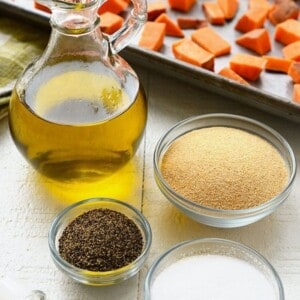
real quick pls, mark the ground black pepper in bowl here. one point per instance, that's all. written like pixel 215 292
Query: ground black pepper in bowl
pixel 101 240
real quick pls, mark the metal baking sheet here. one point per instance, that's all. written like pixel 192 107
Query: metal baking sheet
pixel 272 92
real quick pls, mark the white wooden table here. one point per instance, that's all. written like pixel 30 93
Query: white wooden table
pixel 29 203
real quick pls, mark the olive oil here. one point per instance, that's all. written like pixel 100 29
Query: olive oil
pixel 72 123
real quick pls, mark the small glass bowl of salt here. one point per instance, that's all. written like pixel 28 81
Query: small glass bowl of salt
pixel 212 268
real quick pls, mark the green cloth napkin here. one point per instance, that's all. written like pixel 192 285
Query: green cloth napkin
pixel 20 43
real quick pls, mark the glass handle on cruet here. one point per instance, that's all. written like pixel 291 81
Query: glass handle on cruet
pixel 133 25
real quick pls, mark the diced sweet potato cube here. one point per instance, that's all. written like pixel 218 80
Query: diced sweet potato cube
pixel 188 51
pixel 287 32
pixel 230 74
pixel 257 40
pixel 213 13
pixel 247 66
pixel 113 6
pixel 277 64
pixel 172 28
pixel 262 4
pixel 182 5
pixel 191 23
pixel 229 8
pixel 155 9
pixel 292 51
pixel 110 22
pixel 294 71
pixel 251 19
pixel 211 41
pixel 152 36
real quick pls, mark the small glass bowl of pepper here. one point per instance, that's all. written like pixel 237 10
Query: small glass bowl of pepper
pixel 100 241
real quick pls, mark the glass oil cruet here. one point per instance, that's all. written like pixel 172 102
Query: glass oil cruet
pixel 78 112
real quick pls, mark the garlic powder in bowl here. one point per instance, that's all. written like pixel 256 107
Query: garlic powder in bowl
pixel 224 170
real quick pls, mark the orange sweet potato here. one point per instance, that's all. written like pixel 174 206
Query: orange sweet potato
pixel 211 41
pixel 277 64
pixel 296 93
pixel 188 51
pixel 172 28
pixel 247 66
pixel 230 74
pixel 213 13
pixel 263 4
pixel 155 9
pixel 191 23
pixel 252 19
pixel 287 32
pixel 294 71
pixel 153 35
pixel 229 8
pixel 110 22
pixel 182 5
pixel 283 10
pixel 257 40
pixel 292 51
pixel 42 7
pixel 113 6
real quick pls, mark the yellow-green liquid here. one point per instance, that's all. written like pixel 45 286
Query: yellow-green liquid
pixel 76 125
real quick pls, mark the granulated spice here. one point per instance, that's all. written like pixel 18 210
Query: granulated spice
pixel 224 168
pixel 101 240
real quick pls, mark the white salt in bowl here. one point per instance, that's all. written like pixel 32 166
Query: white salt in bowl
pixel 195 266
pixel 226 218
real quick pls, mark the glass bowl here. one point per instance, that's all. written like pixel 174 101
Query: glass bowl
pixel 225 218
pixel 102 278
pixel 212 246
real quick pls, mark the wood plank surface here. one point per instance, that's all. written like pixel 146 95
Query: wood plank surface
pixel 29 203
